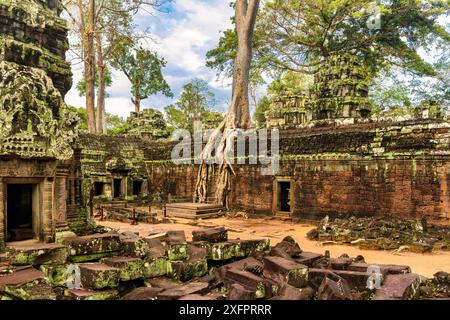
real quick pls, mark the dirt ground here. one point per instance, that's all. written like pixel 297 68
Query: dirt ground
pixel 276 230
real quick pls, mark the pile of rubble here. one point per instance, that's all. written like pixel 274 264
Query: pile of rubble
pixel 383 233
pixel 123 214
pixel 211 267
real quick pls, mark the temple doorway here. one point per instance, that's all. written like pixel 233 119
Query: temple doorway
pixel 20 212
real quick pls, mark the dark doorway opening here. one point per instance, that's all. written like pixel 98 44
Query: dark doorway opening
pixel 284 196
pixel 137 188
pixel 117 188
pixel 98 188
pixel 20 212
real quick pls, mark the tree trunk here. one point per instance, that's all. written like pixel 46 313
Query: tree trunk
pixel 238 115
pixel 89 68
pixel 137 104
pixel 100 122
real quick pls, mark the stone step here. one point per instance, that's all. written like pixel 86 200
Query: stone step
pixel 97 276
pixel 37 254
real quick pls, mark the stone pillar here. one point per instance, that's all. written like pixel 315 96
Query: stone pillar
pixel 2 216
pixel 48 225
pixel 60 199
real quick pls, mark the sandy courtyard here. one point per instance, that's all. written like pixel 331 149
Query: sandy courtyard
pixel 275 230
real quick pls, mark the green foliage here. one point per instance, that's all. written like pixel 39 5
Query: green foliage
pixel 195 104
pixel 299 35
pixel 81 86
pixel 290 83
pixel 260 113
pixel 114 124
pixel 144 70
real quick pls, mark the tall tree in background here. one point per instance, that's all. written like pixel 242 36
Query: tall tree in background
pixel 238 115
pixel 100 27
pixel 195 104
pixel 143 68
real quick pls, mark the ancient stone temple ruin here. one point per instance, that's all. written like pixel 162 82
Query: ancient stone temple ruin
pixel 40 181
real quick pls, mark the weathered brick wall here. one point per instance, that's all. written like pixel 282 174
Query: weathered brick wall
pixel 366 169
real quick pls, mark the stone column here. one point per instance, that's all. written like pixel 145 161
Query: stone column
pixel 48 225
pixel 60 199
pixel 2 216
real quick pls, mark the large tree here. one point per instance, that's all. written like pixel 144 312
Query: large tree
pixel 299 35
pixel 238 115
pixel 99 27
pixel 143 68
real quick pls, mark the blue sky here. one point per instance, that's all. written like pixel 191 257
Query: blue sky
pixel 182 36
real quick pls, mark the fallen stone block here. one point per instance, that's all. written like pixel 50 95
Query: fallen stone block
pixel 288 292
pixel 384 268
pixel 262 287
pixel 239 292
pixel 157 263
pixel 90 295
pixel 143 293
pixel 254 247
pixel 163 282
pixel 195 266
pixel 176 245
pixel 94 247
pixel 60 275
pixel 226 250
pixel 308 258
pixel 289 247
pixel 355 280
pixel 98 276
pixel 399 287
pixel 287 271
pixel 212 235
pixel 38 254
pixel 184 290
pixel 205 245
pixel 135 247
pixel 130 268
pixel 334 290
pixel 249 264
pixel 26 284
pixel 157 236
pixel 341 263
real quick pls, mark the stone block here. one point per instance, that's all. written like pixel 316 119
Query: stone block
pixel 38 254
pixel 399 287
pixel 334 290
pixel 26 284
pixel 93 247
pixel 286 271
pixel 130 268
pixel 195 266
pixel 249 264
pixel 184 290
pixel 90 295
pixel 226 250
pixel 288 292
pixel 212 235
pixel 135 247
pixel 176 245
pixel 239 292
pixel 260 286
pixel 143 293
pixel 98 276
